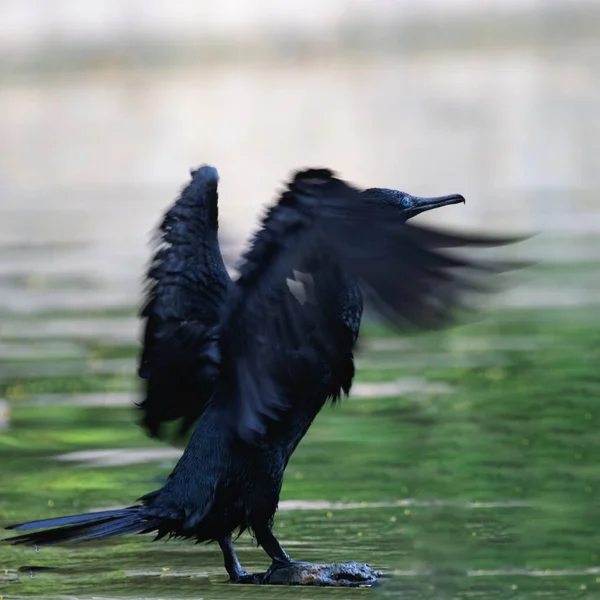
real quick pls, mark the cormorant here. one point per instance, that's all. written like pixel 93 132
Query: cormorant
pixel 187 286
pixel 255 363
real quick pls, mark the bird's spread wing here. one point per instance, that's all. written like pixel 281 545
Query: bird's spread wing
pixel 186 285
pixel 404 269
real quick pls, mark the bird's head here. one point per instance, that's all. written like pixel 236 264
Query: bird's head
pixel 410 206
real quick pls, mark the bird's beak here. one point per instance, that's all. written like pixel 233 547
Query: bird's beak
pixel 423 204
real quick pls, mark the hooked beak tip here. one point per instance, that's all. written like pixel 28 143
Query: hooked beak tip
pixel 426 204
pixel 441 201
pixel 453 199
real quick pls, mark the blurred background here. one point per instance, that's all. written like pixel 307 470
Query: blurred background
pixel 105 105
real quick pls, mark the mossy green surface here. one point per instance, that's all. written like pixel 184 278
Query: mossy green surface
pixel 499 476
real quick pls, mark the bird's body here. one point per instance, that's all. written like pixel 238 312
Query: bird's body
pixel 253 364
pixel 244 479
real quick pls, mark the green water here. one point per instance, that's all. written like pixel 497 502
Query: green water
pixel 489 491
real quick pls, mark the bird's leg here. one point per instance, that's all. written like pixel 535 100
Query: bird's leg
pixel 266 538
pixel 232 563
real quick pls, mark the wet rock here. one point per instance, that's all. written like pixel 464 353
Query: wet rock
pixel 349 574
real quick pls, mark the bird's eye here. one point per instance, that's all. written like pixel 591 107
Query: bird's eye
pixel 406 202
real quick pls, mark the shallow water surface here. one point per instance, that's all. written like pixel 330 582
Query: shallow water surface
pixel 481 482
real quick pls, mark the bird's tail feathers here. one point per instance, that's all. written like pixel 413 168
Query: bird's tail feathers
pixel 90 526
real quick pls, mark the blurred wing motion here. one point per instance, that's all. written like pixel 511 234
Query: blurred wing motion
pixel 187 284
pixel 321 221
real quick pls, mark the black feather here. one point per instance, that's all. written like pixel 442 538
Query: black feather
pixel 84 527
pixel 402 267
pixel 187 284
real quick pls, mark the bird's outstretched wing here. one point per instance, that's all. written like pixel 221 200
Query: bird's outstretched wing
pixel 404 269
pixel 186 285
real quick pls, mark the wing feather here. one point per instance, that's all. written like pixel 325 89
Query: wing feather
pixel 403 268
pixel 186 286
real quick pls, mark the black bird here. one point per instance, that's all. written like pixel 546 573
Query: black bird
pixel 188 284
pixel 269 360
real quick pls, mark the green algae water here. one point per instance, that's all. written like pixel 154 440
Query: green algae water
pixel 484 487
